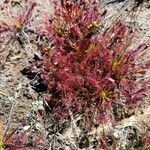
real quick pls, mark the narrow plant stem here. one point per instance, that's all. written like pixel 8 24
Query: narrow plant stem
pixel 15 102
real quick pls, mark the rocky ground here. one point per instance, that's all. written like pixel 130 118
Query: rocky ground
pixel 19 102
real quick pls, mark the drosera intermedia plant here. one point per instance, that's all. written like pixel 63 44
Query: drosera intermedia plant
pixel 89 73
pixel 19 138
pixel 15 25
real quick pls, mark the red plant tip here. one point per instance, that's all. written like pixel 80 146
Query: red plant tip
pixel 28 15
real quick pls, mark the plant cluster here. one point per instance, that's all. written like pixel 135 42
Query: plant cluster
pixel 19 138
pixel 84 72
pixel 17 24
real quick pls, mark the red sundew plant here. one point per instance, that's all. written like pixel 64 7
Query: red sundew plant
pixel 20 139
pixel 16 24
pixel 88 73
